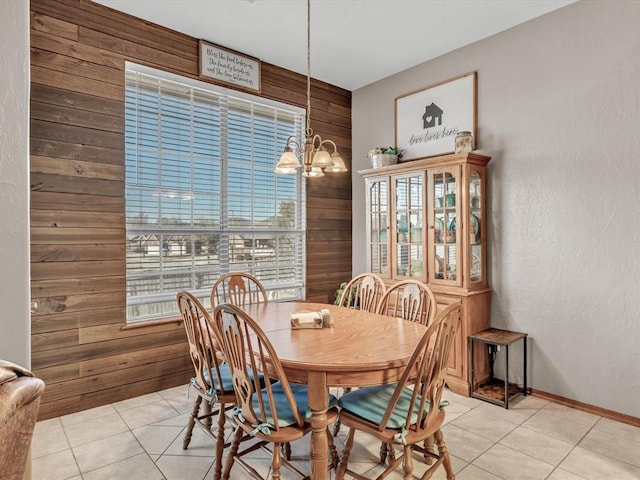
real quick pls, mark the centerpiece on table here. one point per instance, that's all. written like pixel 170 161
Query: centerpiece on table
pixel 383 156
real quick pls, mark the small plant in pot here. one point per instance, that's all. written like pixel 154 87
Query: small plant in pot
pixel 383 156
pixel 352 300
pixel 339 293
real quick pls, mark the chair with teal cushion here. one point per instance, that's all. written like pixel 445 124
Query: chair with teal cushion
pixel 409 412
pixel 212 379
pixel 241 289
pixel 363 292
pixel 238 288
pixel 410 300
pixel 371 404
pixel 272 413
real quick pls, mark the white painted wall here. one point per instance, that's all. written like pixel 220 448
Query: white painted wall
pixel 14 182
pixel 559 112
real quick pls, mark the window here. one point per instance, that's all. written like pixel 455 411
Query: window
pixel 201 195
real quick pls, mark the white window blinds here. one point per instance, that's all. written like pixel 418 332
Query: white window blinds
pixel 201 195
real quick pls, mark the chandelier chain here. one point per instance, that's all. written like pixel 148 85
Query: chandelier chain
pixel 308 127
pixel 315 156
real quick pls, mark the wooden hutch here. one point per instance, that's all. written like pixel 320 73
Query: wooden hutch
pixel 426 219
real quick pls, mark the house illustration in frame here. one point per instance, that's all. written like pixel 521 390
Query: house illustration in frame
pixel 432 114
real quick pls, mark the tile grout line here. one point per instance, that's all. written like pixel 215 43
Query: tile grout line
pixel 571 450
pixel 139 443
pixel 473 408
pixel 599 453
pixel 130 430
pixel 73 453
pixel 180 434
pixel 480 468
pixel 498 442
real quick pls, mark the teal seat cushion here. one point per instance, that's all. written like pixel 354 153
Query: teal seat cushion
pixel 227 381
pixel 285 415
pixel 370 403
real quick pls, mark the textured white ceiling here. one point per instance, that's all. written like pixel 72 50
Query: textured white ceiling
pixel 353 42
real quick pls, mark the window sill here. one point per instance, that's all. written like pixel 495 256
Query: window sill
pixel 152 323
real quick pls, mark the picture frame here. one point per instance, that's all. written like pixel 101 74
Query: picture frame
pixel 228 67
pixel 428 120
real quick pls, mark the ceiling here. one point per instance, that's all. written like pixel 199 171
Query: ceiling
pixel 353 42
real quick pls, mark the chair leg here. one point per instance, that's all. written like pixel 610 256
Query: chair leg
pixel 192 422
pixel 276 463
pixel 384 449
pixel 333 451
pixel 348 445
pixel 336 426
pixel 286 450
pixel 233 451
pixel 444 453
pixel 407 463
pixel 387 449
pixel 207 414
pixel 428 447
pixel 219 442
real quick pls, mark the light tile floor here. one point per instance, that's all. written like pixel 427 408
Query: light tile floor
pixel 141 439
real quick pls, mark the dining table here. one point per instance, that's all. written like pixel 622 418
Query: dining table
pixel 359 349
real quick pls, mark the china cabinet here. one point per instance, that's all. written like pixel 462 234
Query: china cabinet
pixel 426 219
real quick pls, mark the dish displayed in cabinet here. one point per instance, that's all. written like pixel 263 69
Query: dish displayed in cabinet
pixel 475 221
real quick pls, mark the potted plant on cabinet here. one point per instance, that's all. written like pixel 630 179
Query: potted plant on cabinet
pixel 383 156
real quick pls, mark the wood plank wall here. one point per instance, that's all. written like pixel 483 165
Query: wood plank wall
pixel 78 50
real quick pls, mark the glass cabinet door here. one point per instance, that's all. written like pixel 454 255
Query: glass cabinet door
pixel 476 242
pixel 409 226
pixel 378 225
pixel 444 241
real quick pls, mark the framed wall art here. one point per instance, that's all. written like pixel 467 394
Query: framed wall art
pixel 428 120
pixel 229 67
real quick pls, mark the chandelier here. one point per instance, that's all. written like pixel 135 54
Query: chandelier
pixel 316 158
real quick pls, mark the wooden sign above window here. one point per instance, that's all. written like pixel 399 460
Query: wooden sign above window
pixel 227 66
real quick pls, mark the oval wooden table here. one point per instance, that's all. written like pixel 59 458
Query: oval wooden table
pixel 360 349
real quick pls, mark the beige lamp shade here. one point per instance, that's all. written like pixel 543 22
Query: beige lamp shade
pixel 285 170
pixel 288 162
pixel 338 164
pixel 321 158
pixel 313 172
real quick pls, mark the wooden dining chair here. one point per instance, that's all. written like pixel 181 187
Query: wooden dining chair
pixel 409 412
pixel 363 292
pixel 271 414
pixel 242 289
pixel 410 300
pixel 238 288
pixel 212 378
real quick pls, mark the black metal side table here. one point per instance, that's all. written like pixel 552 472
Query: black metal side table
pixel 495 389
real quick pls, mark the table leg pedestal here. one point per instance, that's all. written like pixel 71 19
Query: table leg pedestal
pixel 319 404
